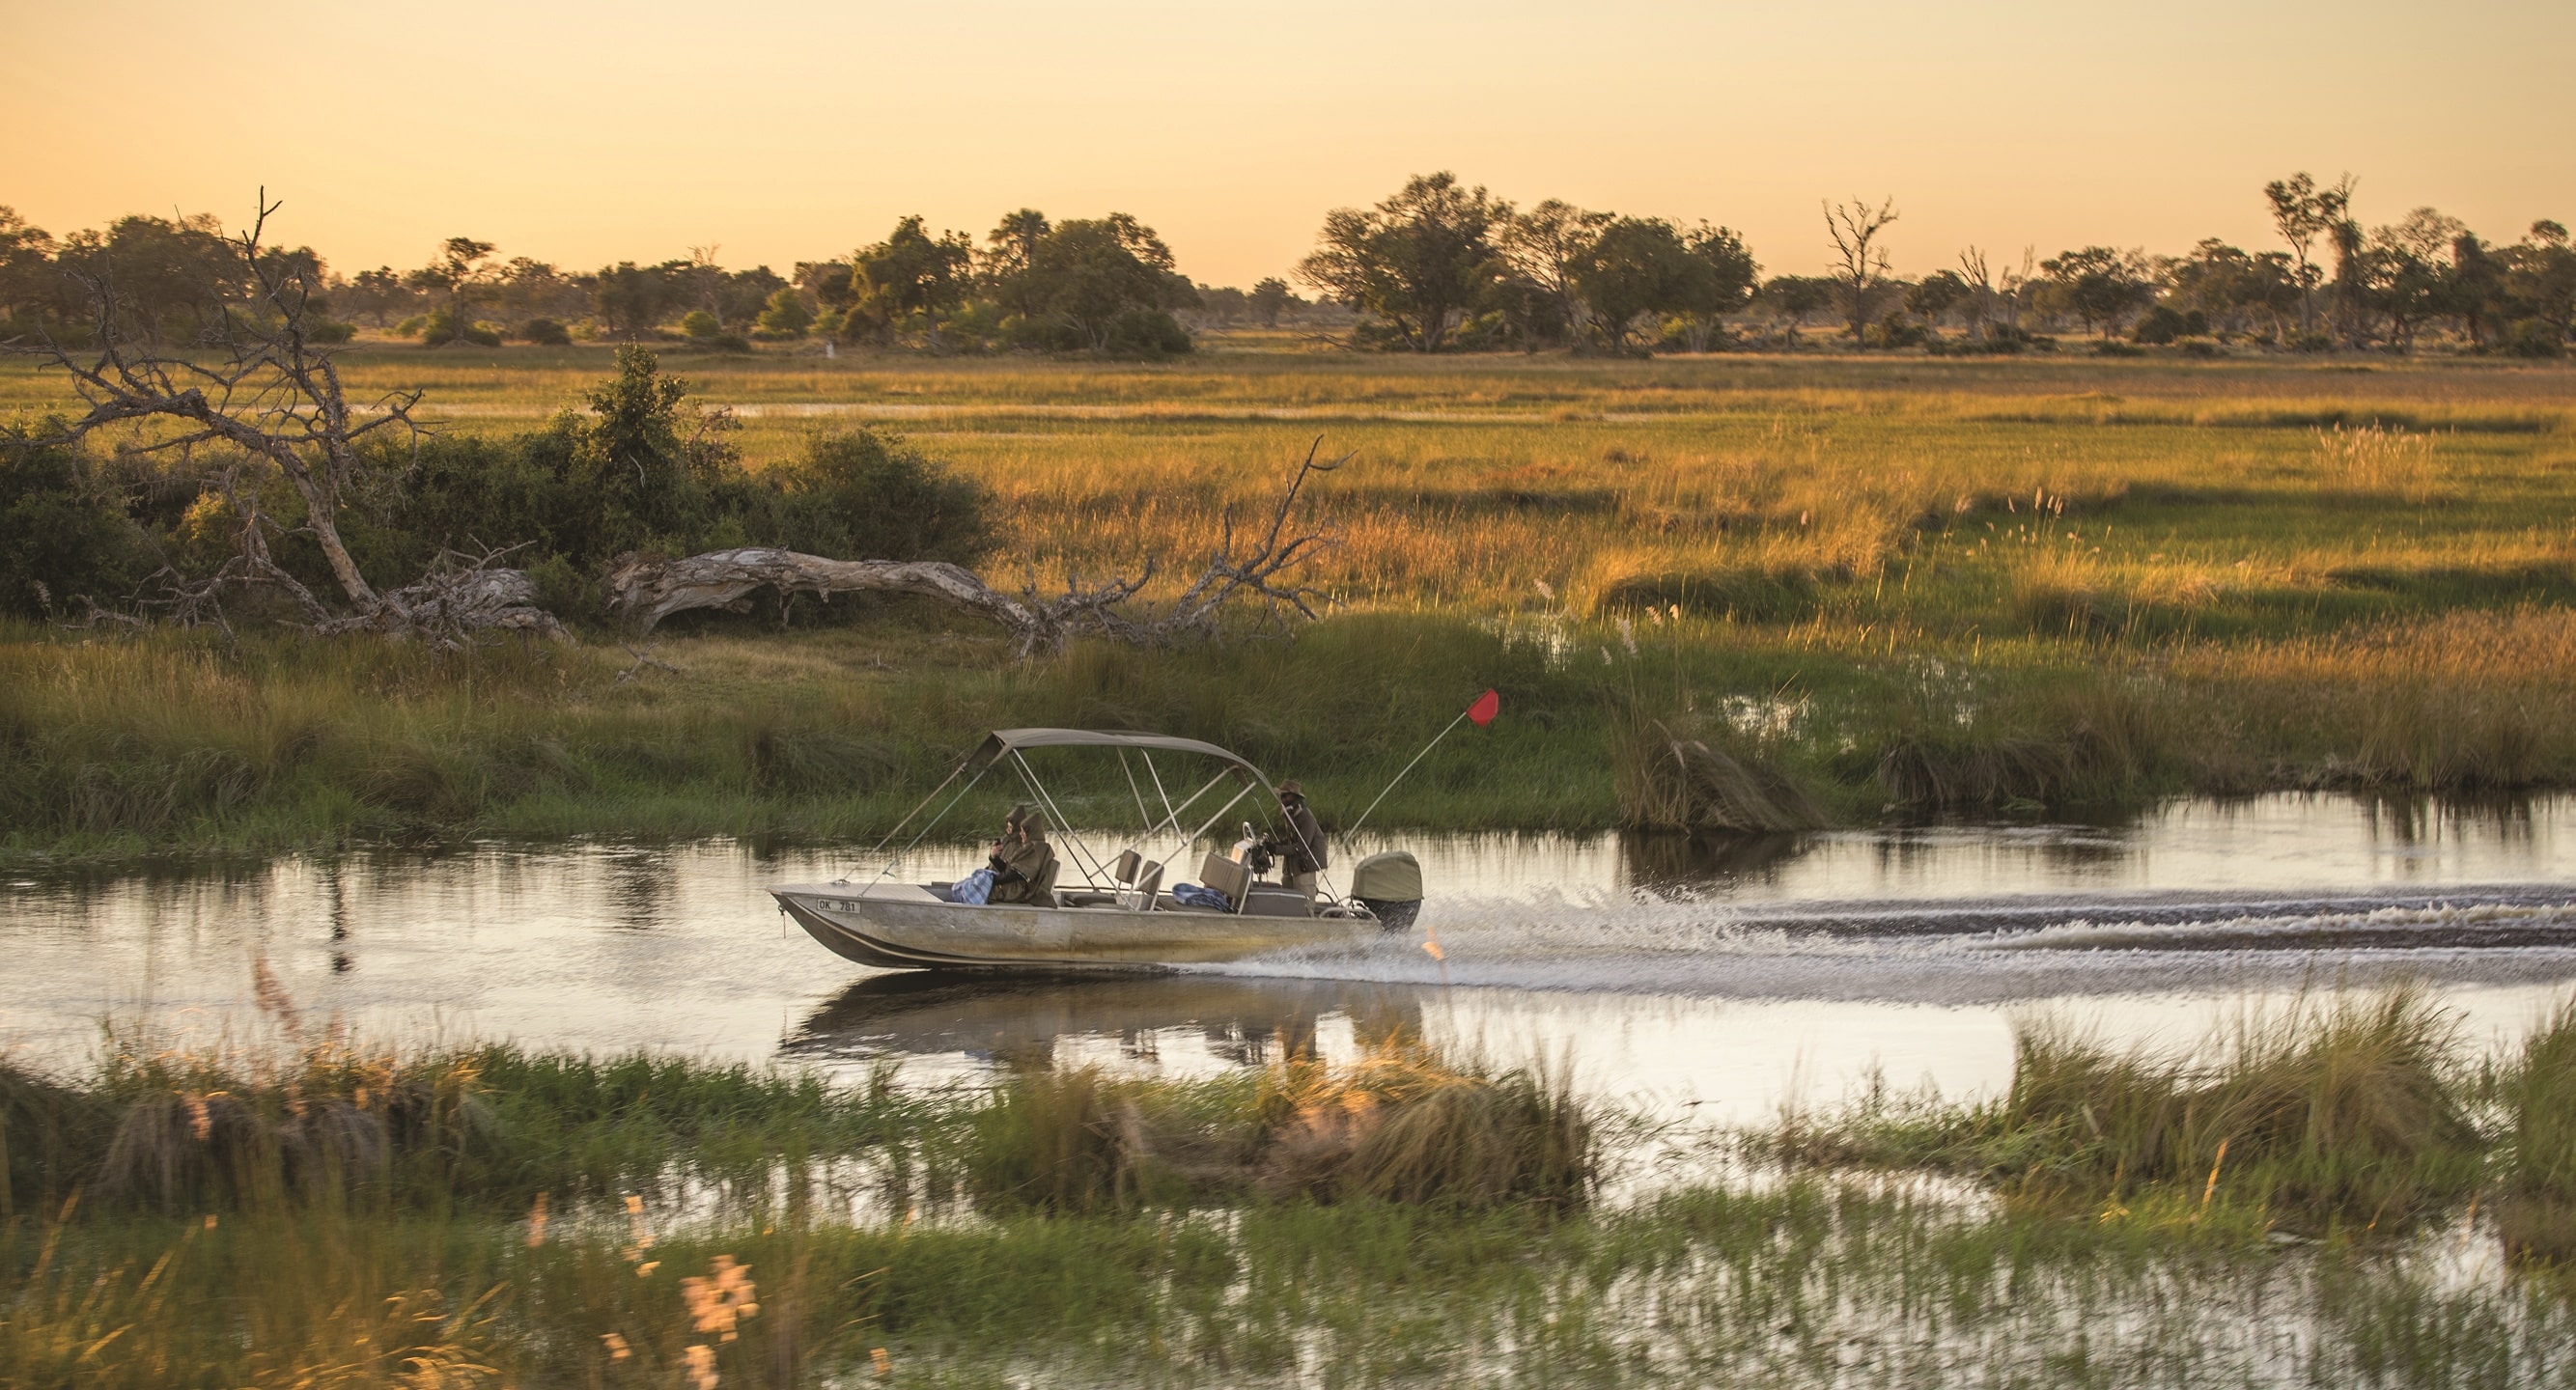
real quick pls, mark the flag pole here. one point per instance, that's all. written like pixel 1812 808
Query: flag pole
pixel 1463 716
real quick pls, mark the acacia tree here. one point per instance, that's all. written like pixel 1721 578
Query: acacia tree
pixel 1861 275
pixel 1416 261
pixel 2302 212
pixel 2101 285
pixel 1721 283
pixel 1548 248
pixel 263 394
pixel 459 275
pixel 909 277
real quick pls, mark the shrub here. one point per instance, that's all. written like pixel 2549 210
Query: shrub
pixel 61 535
pixel 545 333
pixel 785 315
pixel 863 495
pixel 2161 325
pixel 701 325
pixel 441 327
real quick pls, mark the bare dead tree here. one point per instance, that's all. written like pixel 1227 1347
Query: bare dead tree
pixel 1855 227
pixel 1240 571
pixel 263 388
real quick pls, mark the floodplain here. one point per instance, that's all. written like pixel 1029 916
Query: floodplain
pixel 462 1039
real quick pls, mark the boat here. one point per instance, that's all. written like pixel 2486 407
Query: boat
pixel 1107 906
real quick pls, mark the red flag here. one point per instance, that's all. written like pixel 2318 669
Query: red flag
pixel 1484 709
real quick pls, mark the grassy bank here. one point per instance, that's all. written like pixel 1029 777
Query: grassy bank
pixel 337 1217
pixel 116 749
pixel 1873 588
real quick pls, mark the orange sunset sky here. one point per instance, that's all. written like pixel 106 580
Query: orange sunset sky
pixel 588 132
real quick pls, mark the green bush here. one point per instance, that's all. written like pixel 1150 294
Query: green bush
pixel 441 327
pixel 862 495
pixel 545 333
pixel 62 536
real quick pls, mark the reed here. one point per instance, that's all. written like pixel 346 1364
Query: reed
pixel 2348 1115
pixel 2536 1211
pixel 1400 1124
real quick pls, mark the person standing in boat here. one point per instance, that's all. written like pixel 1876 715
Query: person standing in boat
pixel 1023 864
pixel 1301 849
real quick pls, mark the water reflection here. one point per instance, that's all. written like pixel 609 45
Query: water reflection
pixel 1016 1018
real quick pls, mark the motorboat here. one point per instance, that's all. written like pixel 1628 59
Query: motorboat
pixel 1109 899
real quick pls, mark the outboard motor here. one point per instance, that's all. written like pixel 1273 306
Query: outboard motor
pixel 1389 884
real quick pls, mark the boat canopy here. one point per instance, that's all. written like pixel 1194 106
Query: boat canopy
pixel 1003 741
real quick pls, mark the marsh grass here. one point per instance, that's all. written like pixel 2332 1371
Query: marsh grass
pixel 2307 577
pixel 1401 1123
pixel 2341 1115
pixel 2536 1210
pixel 1394 1218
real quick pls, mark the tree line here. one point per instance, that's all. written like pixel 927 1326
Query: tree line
pixel 1438 266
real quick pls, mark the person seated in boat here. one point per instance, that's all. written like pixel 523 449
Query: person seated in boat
pixel 1023 863
pixel 1000 880
pixel 1301 846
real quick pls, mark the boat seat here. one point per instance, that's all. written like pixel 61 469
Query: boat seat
pixel 1149 882
pixel 1086 897
pixel 1126 866
pixel 1227 877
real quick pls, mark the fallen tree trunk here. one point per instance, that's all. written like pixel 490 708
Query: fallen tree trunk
pixel 645 591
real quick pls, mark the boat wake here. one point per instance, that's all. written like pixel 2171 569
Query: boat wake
pixel 1964 951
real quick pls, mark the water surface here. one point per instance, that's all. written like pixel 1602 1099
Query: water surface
pixel 1711 979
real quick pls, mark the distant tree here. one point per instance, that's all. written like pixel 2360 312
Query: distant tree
pixel 1548 248
pixel 170 280
pixel 1106 284
pixel 1977 302
pixel 909 280
pixel 1861 275
pixel 1721 284
pixel 1270 298
pixel 1793 298
pixel 2101 285
pixel 458 277
pixel 827 281
pixel 1936 294
pixel 377 295
pixel 2542 279
pixel 1416 261
pixel 1637 268
pixel 629 299
pixel 2302 212
pixel 1010 248
pixel 785 314
pixel 2231 288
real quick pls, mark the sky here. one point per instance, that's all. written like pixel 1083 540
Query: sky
pixel 584 132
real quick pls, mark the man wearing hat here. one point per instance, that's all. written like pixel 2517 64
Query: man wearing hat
pixel 1301 850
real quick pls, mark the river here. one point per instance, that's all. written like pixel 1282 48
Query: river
pixel 1717 981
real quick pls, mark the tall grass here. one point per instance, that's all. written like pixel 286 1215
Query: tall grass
pixel 1399 1124
pixel 2536 1212
pixel 2347 1114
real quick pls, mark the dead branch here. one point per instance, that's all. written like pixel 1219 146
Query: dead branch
pixel 644 590
pixel 261 388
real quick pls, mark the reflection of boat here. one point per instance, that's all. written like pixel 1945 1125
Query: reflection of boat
pixel 1120 913
pixel 1024 1014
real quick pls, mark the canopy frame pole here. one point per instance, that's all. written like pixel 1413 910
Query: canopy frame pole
pixel 1072 838
pixel 1173 817
pixel 1144 813
pixel 889 867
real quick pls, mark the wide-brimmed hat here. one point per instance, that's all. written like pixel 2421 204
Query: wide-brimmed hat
pixel 1290 788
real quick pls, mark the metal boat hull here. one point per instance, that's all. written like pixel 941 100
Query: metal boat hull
pixel 900 927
